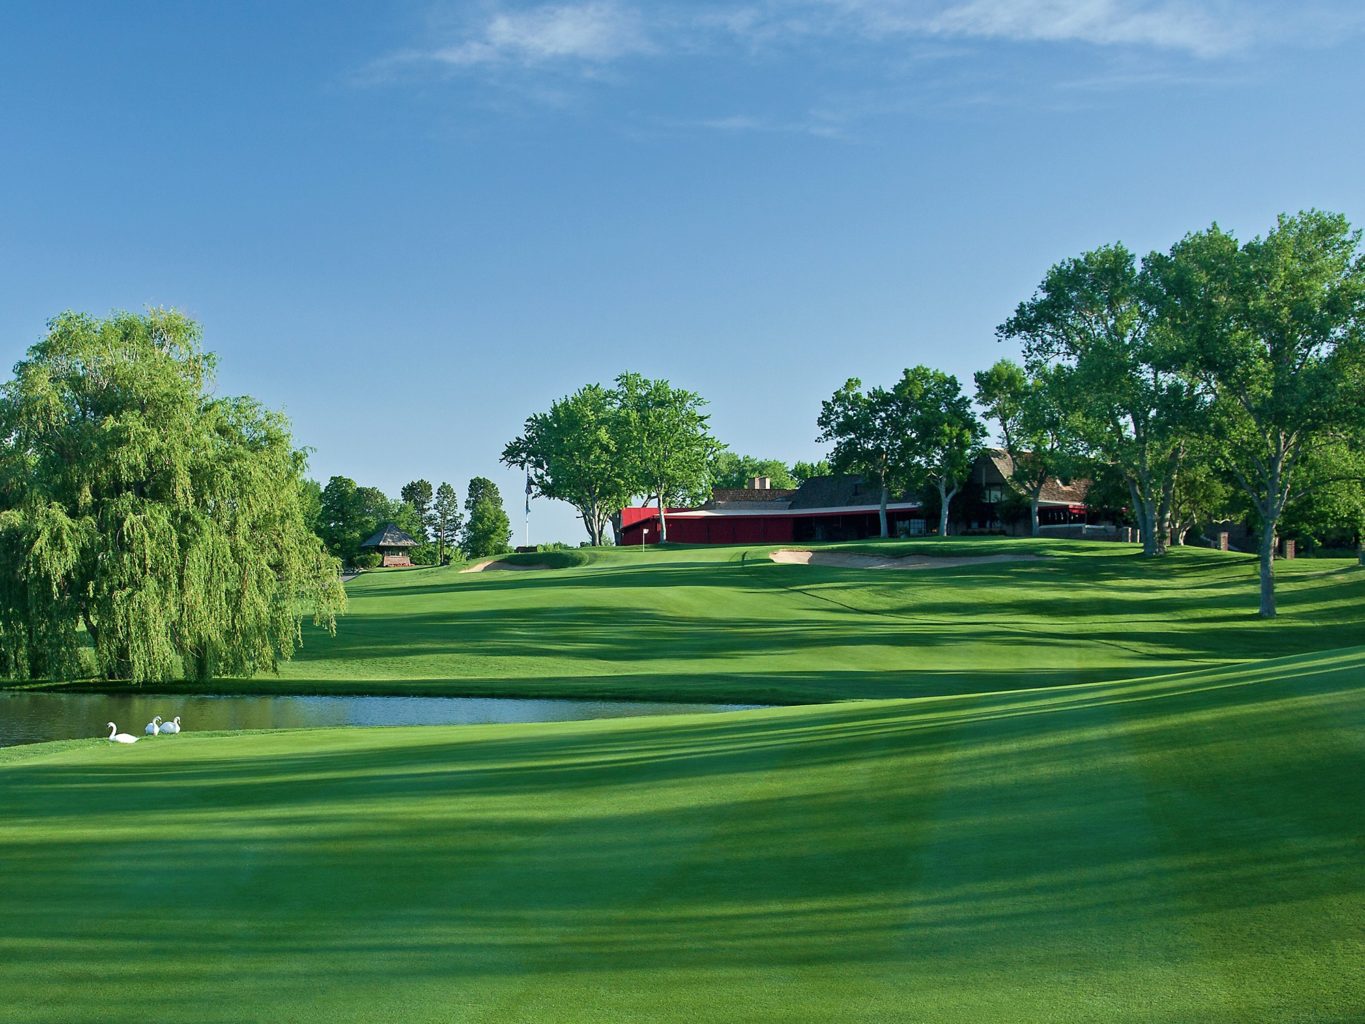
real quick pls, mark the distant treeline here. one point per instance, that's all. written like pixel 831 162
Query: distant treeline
pixel 345 514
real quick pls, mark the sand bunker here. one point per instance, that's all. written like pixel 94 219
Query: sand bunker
pixel 848 561
pixel 515 566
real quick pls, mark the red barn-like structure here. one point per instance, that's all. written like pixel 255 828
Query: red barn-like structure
pixel 823 508
pixel 833 508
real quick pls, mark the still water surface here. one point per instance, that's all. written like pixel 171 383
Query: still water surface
pixel 36 717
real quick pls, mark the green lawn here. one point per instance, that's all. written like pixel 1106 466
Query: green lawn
pixel 1022 835
pixel 727 624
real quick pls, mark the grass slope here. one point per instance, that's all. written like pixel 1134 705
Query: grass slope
pixel 727 624
pixel 1184 848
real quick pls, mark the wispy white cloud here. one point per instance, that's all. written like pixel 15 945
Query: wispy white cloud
pixel 1198 29
pixel 585 33
pixel 818 125
pixel 926 50
pixel 598 33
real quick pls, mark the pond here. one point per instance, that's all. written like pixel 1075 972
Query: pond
pixel 36 717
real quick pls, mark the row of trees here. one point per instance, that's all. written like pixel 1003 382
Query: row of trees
pixel 1215 368
pixel 345 514
pixel 603 448
pixel 1217 379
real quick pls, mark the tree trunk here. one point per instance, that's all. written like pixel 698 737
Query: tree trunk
pixel 882 511
pixel 1164 524
pixel 1268 569
pixel 663 521
pixel 944 497
pixel 1036 529
pixel 1140 514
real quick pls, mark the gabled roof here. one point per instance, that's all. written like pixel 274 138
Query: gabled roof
pixel 841 491
pixel 1055 491
pixel 390 536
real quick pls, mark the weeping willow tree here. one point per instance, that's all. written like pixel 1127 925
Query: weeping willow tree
pixel 143 516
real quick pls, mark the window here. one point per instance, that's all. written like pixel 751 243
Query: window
pixel 994 494
pixel 916 527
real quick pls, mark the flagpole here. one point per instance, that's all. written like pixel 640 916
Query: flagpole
pixel 528 506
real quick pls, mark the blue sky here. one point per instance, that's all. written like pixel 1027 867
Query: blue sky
pixel 410 225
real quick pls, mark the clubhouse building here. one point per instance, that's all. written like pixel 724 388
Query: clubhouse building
pixel 831 508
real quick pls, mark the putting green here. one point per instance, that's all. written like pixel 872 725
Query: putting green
pixel 1174 847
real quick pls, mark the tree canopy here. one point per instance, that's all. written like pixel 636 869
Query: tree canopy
pixel 1272 332
pixel 573 454
pixel 168 523
pixel 1037 425
pixel 945 434
pixel 871 432
pixel 669 446
pixel 487 530
pixel 600 448
pixel 446 521
pixel 1092 322
pixel 730 470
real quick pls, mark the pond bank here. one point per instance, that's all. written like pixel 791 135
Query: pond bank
pixel 36 717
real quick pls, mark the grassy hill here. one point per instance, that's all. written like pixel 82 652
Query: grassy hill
pixel 728 624
pixel 1088 789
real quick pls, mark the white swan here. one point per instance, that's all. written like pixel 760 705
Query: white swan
pixel 119 737
pixel 154 726
pixel 171 728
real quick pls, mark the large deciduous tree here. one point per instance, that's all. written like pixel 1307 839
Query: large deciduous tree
pixel 1092 320
pixel 945 434
pixel 167 522
pixel 1036 424
pixel 730 470
pixel 573 453
pixel 870 432
pixel 1274 332
pixel 487 530
pixel 803 471
pixel 667 445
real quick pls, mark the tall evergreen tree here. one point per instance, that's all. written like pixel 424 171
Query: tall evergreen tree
pixel 418 494
pixel 447 521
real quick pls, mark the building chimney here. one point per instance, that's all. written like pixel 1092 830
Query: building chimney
pixel 761 483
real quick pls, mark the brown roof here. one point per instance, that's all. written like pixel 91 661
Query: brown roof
pixel 733 494
pixel 1068 492
pixel 841 491
pixel 390 536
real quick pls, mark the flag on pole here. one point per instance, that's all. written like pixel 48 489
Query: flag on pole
pixel 528 491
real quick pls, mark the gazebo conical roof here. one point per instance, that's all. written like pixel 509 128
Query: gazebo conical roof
pixel 390 536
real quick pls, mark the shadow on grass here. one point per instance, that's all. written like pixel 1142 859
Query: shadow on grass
pixel 995 834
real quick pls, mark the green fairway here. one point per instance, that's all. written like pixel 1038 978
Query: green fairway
pixel 727 624
pixel 1079 788
pixel 1176 849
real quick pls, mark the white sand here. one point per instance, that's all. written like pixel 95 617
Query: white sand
pixel 849 561
pixel 516 567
